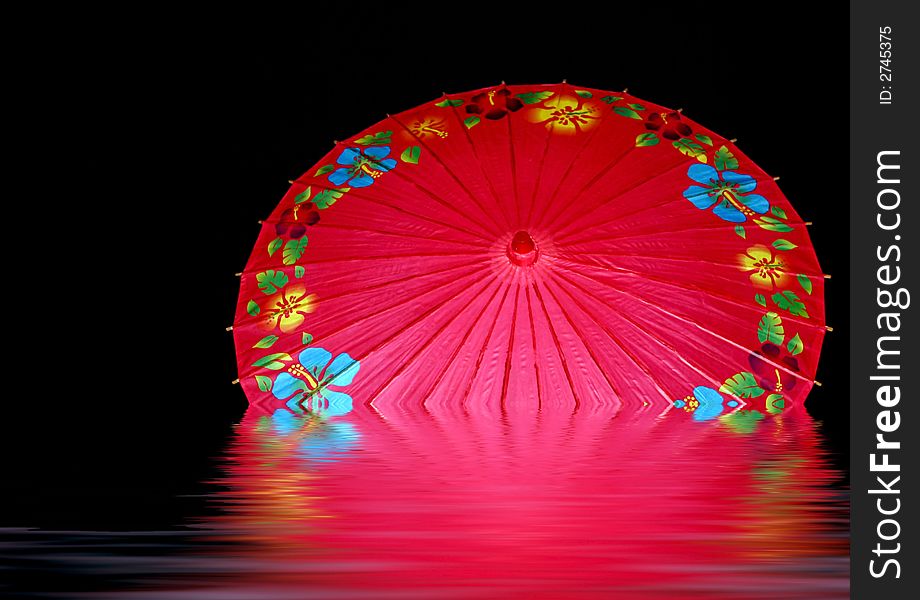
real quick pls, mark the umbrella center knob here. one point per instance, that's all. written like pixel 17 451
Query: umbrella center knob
pixel 522 251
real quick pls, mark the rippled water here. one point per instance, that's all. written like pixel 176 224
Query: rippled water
pixel 460 504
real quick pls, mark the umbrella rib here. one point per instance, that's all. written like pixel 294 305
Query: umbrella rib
pixel 552 330
pixel 693 322
pixel 408 361
pixel 641 364
pixel 581 335
pixel 389 308
pixel 597 177
pixel 366 198
pixel 686 260
pixel 376 286
pixel 577 216
pixel 402 234
pixel 437 198
pixel 536 185
pixel 454 176
pixel 514 182
pixel 469 139
pixel 459 347
pixel 657 232
pixel 638 325
pixel 691 288
pixel 485 344
pixel 533 339
pixel 588 139
pixel 507 375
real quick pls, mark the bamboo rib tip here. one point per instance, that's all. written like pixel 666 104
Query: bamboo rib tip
pixel 776 178
pixel 228 328
pixel 809 222
pixel 291 181
pixel 260 221
pixel 818 383
pixel 829 328
pixel 234 382
pixel 733 140
pixel 240 274
pixel 680 110
pixel 625 90
pixel 503 82
pixel 335 142
pixel 826 276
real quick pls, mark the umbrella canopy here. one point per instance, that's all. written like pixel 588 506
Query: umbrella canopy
pixel 533 248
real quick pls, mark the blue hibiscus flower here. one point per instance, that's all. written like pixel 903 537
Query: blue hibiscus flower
pixel 320 440
pixel 705 403
pixel 362 167
pixel 729 191
pixel 309 381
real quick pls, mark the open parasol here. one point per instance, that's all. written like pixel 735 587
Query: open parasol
pixel 533 248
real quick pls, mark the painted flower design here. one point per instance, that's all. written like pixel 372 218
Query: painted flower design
pixel 428 127
pixel 767 270
pixel 566 114
pixel 294 221
pixel 769 377
pixel 316 438
pixel 309 382
pixel 493 105
pixel 362 166
pixel 287 308
pixel 705 403
pixel 668 124
pixel 728 191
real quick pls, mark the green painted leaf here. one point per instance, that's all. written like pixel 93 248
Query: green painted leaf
pixel 305 195
pixel 293 250
pixel 449 102
pixel 327 198
pixel 795 345
pixel 584 93
pixel 789 300
pixel 690 148
pixel 778 212
pixel 411 154
pixel 323 170
pixel 534 97
pixel 805 282
pixel 626 112
pixel 760 299
pixel 298 271
pixel 265 383
pixel 782 244
pixel 724 159
pixel 306 338
pixel 771 224
pixel 739 229
pixel 636 106
pixel 267 342
pixel 273 361
pixel 381 138
pixel 771 329
pixel 611 99
pixel 471 122
pixel 775 403
pixel 646 139
pixel 704 138
pixel 271 281
pixel 274 245
pixel 252 308
pixel 743 385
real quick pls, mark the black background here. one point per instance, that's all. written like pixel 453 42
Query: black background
pixel 164 147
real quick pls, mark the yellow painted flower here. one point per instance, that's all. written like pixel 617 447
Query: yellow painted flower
pixel 428 127
pixel 566 114
pixel 766 269
pixel 287 308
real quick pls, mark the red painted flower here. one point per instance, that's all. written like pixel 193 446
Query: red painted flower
pixel 493 105
pixel 768 376
pixel 294 220
pixel 668 125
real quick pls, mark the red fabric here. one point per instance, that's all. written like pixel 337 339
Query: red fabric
pixel 636 296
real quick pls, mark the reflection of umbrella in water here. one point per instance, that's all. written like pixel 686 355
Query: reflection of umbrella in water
pixel 533 248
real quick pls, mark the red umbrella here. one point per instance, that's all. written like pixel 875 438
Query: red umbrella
pixel 527 248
